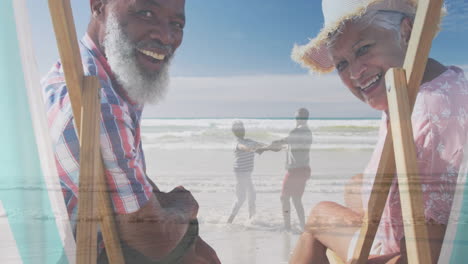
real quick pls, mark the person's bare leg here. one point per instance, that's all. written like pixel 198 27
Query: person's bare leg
pixel 309 250
pixel 241 193
pixel 329 225
pixel 286 206
pixel 353 192
pixel 297 201
pixel 252 197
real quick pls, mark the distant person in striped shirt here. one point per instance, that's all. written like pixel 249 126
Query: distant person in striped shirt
pixel 244 153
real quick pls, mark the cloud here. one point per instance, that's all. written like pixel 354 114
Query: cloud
pixel 272 88
pixel 259 96
pixel 465 69
pixel 457 17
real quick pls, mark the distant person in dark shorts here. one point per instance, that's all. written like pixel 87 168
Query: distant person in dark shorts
pixel 297 144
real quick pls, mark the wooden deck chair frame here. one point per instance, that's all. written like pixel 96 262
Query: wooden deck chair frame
pixel 455 246
pixel 83 92
pixel 399 149
pixel 94 204
pixel 84 97
pixel 398 154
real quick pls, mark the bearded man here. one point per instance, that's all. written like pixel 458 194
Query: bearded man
pixel 129 45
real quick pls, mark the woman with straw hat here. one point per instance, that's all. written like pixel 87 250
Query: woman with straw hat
pixel 362 39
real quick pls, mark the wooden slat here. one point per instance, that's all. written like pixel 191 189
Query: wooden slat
pixel 333 258
pixel 412 203
pixel 106 213
pixel 424 28
pixel 65 33
pixel 378 197
pixel 67 43
pixel 86 235
pixel 108 227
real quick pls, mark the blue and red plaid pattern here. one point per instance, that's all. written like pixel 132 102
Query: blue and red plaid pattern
pixel 120 138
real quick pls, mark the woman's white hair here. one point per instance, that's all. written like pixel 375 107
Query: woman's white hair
pixel 390 20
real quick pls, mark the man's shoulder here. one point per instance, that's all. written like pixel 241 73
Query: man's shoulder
pixel 54 81
pixel 56 73
pixel 300 135
pixel 301 130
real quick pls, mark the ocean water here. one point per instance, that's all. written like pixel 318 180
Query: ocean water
pixel 198 154
pixel 215 134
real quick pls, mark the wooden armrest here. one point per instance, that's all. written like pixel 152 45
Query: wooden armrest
pixel 333 258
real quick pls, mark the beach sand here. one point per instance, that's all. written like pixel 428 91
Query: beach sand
pixel 208 174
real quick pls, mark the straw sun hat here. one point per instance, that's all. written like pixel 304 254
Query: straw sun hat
pixel 314 55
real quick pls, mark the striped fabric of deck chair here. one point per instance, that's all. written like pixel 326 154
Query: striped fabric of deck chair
pixel 455 247
pixel 34 223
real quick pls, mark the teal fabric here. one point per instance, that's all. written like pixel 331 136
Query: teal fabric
pixel 460 245
pixel 22 188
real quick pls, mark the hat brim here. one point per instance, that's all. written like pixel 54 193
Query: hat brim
pixel 314 55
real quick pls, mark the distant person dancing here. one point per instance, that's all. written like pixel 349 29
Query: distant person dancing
pixel 297 164
pixel 243 166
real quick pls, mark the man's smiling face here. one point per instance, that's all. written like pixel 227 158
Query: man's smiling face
pixel 139 38
pixel 154 27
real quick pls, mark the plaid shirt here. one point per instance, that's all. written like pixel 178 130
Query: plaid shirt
pixel 120 138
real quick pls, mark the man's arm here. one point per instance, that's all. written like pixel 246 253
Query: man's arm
pixel 245 148
pixel 252 148
pixel 151 226
pixel 201 252
pixel 153 223
pixel 275 146
pixel 155 230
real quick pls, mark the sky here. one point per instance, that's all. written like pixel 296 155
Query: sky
pixel 235 59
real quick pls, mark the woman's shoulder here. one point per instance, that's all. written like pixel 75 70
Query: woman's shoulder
pixel 449 86
pixel 443 98
pixel 445 79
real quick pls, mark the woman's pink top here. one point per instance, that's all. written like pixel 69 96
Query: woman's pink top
pixel 440 125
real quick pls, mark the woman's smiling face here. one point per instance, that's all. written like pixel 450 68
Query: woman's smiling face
pixel 362 54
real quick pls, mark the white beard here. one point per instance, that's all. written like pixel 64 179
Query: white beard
pixel 141 86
